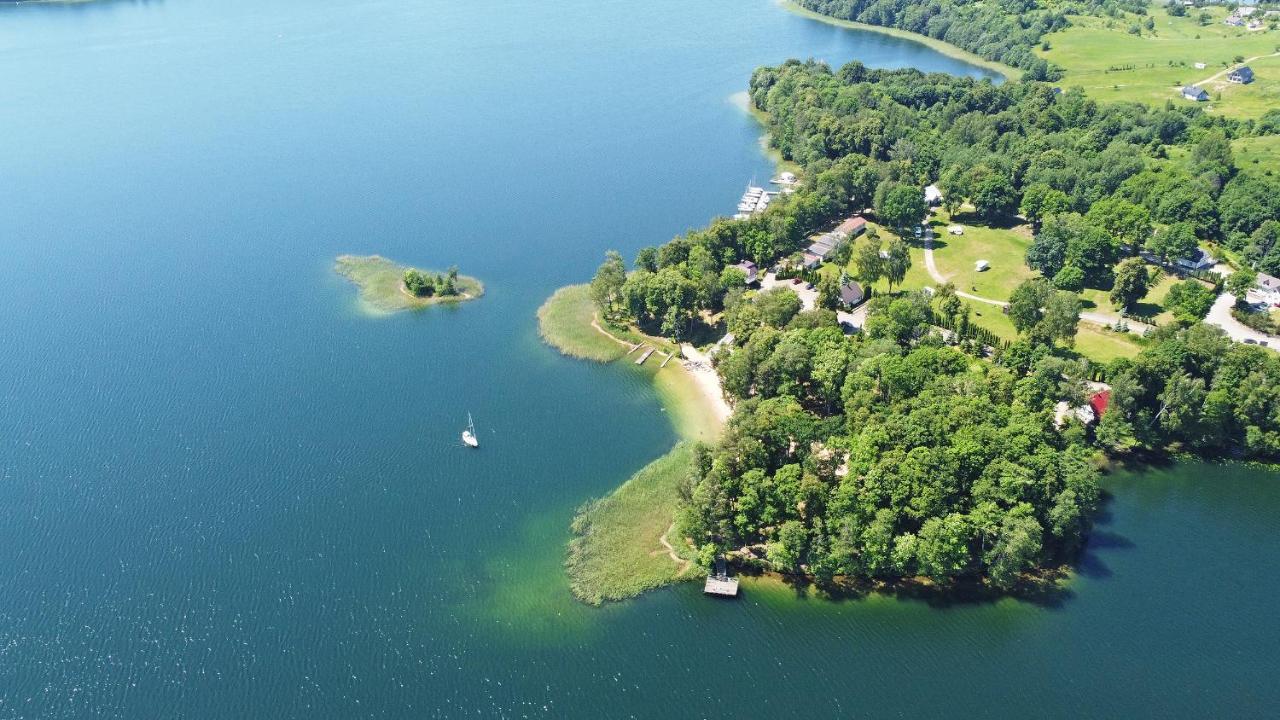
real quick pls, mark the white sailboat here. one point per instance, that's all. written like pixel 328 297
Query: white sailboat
pixel 469 435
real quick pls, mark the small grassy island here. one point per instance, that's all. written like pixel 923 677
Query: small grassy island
pixel 387 287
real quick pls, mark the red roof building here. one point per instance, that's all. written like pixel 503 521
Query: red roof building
pixel 1099 402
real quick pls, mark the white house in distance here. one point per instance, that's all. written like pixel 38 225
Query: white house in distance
pixel 1200 66
pixel 1192 92
pixel 1199 260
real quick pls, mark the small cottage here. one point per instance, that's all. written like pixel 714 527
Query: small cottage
pixel 749 269
pixel 851 294
pixel 1194 93
pixel 1242 75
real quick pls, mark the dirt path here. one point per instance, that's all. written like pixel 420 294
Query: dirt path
pixel 595 323
pixel 1219 74
pixel 671 552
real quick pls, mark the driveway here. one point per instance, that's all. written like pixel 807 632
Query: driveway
pixel 1220 315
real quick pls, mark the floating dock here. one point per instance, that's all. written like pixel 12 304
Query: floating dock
pixel 644 356
pixel 664 362
pixel 721 585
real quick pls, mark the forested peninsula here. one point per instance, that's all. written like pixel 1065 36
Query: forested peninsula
pixel 920 445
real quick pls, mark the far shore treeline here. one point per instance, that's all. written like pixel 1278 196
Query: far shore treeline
pixel 907 450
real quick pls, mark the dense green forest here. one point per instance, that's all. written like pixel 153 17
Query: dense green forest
pixel 918 446
pixel 1002 30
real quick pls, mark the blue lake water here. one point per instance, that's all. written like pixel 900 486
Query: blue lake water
pixel 225 491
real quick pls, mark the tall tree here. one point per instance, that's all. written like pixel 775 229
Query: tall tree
pixel 606 286
pixel 1131 283
pixel 897 263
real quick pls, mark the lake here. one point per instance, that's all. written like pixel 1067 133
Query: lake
pixel 226 491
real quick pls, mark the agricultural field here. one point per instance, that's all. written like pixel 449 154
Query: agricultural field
pixel 1111 63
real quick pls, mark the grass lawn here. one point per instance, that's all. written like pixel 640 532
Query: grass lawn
pixel 1102 345
pixel 1258 155
pixel 1100 55
pixel 381 284
pixel 616 552
pixel 1150 307
pixel 1004 248
pixel 917 276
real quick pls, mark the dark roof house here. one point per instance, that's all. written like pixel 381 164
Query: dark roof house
pixel 1242 75
pixel 851 293
pixel 1194 93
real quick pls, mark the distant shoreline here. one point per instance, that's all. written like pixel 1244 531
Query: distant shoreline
pixel 946 48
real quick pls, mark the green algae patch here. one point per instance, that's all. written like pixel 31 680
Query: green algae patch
pixel 381 283
pixel 618 548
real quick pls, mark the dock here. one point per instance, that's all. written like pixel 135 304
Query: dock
pixel 644 356
pixel 721 585
pixel 664 362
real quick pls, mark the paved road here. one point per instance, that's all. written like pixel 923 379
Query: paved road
pixel 1220 315
pixel 1098 318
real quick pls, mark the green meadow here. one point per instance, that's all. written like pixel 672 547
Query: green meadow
pixel 1111 63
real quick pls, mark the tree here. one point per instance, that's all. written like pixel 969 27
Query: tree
pixel 1017 545
pixel 1189 301
pixel 897 263
pixel 777 306
pixel 647 259
pixel 1176 241
pixel 828 292
pixel 1040 201
pixel 1128 223
pixel 899 206
pixel 942 548
pixel 1042 313
pixel 788 552
pixel 1069 278
pixel 418 283
pixel 1131 284
pixel 1212 157
pixel 606 286
pixel 868 265
pixel 994 197
pixel 1240 282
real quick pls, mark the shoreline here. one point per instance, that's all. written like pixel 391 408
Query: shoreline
pixel 620 545
pixel 380 287
pixel 1008 72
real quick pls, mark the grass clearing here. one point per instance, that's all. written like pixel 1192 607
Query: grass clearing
pixel 1110 63
pixel 1103 345
pixel 616 552
pixel 1151 307
pixel 564 321
pixel 1258 156
pixel 381 284
pixel 1004 248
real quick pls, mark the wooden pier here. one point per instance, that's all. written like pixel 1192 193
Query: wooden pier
pixel 645 356
pixel 664 362
pixel 719 582
pixel 721 585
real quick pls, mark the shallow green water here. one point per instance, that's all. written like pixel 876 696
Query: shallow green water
pixel 226 492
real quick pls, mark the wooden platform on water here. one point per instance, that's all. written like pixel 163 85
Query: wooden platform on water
pixel 721 585
pixel 644 356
